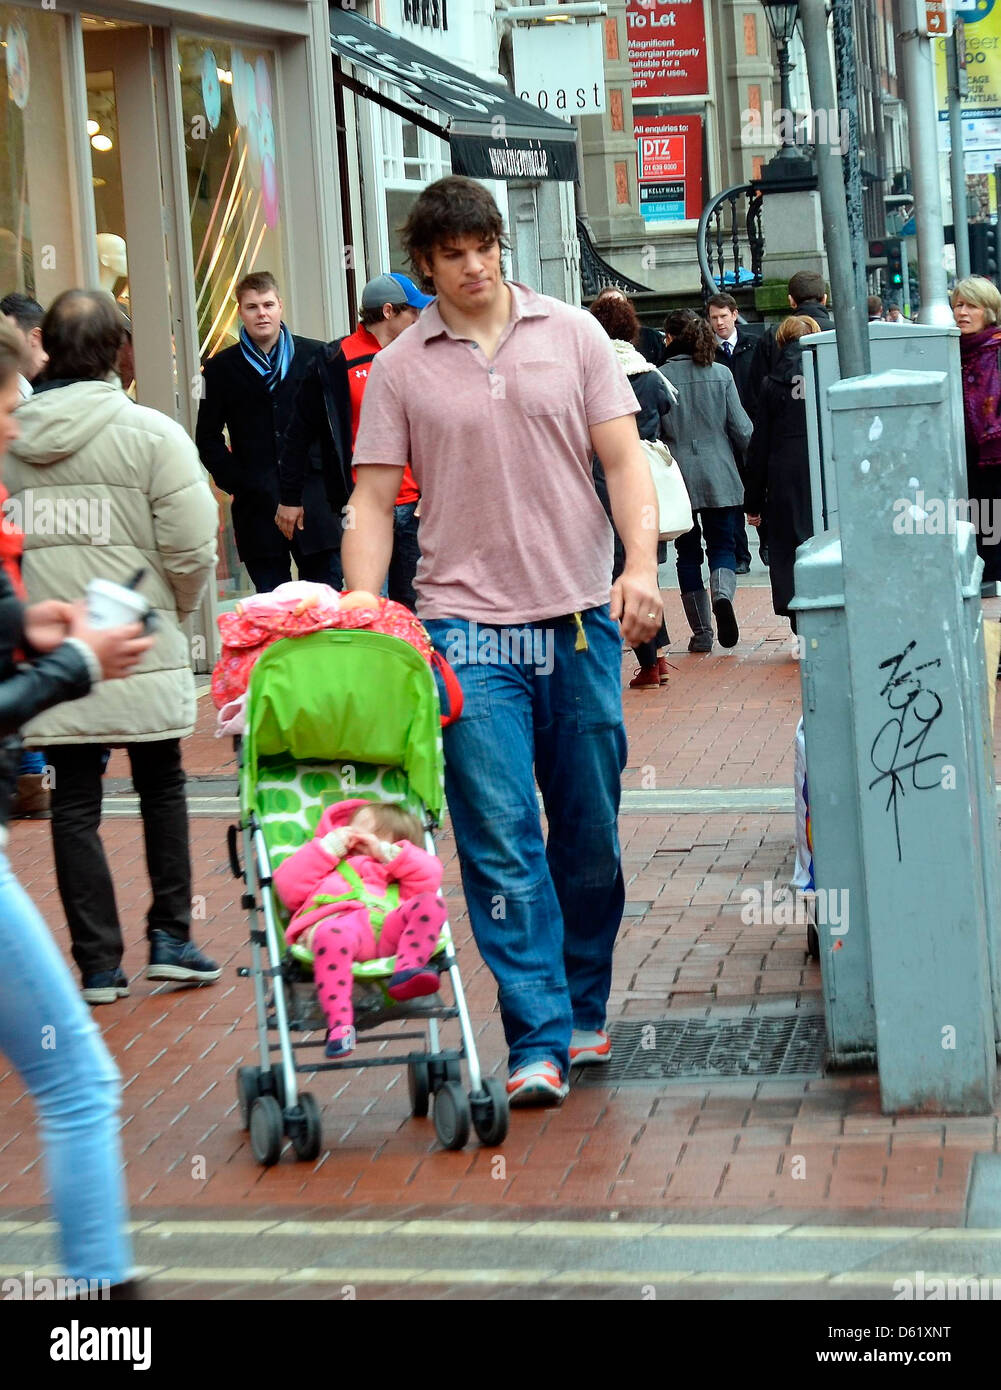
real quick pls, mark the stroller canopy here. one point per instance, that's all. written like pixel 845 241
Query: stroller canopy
pixel 339 695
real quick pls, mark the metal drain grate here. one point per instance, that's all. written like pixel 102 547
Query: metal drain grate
pixel 696 1048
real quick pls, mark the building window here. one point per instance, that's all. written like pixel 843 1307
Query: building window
pixel 412 157
pixel 38 217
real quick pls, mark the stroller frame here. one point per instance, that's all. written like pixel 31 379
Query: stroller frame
pixel 271 1103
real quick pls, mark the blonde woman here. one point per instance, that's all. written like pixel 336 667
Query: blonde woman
pixel 976 307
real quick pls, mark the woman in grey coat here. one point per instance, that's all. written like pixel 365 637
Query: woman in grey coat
pixel 707 431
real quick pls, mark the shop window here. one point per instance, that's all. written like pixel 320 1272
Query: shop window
pixel 411 159
pixel 39 251
pixel 234 178
pixel 235 204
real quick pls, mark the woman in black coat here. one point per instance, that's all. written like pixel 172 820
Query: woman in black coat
pixel 655 395
pixel 778 462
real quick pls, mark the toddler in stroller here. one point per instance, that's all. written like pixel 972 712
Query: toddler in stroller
pixel 360 889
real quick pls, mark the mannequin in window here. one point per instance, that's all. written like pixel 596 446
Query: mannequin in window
pixel 112 258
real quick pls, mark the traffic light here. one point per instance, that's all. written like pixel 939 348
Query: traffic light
pixel 985 249
pixel 890 251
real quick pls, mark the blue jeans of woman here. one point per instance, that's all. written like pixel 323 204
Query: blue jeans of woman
pixel 48 1034
pixel 717 526
pixel 545 911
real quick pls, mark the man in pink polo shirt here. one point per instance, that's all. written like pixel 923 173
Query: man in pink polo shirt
pixel 498 396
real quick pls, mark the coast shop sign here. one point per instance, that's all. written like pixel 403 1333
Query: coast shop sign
pixel 560 68
pixel 667 47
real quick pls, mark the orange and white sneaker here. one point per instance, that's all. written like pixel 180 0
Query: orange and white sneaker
pixel 589 1046
pixel 537 1083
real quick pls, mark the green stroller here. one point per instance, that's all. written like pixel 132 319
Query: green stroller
pixel 332 716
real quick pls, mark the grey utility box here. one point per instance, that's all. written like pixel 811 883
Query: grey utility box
pixel 909 347
pixel 829 730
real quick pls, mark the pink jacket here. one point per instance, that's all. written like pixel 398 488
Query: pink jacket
pixel 310 870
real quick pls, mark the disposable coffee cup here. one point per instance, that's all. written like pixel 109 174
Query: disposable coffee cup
pixel 112 605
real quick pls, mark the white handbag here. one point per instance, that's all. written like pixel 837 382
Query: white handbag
pixel 673 502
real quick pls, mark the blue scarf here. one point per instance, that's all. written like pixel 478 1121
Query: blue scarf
pixel 272 365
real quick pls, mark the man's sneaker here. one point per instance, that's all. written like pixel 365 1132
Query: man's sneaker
pixel 537 1083
pixel 105 987
pixel 588 1046
pixel 340 1042
pixel 173 959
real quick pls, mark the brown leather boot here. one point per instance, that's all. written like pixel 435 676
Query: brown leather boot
pixel 32 798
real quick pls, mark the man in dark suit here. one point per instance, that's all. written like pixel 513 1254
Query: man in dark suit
pixel 735 349
pixel 249 390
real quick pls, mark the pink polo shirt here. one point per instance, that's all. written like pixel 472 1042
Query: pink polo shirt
pixel 511 529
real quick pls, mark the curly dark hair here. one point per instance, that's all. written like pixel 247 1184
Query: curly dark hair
pixel 616 316
pixel 692 334
pixel 446 211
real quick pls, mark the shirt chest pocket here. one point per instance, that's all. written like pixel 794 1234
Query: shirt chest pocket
pixel 544 388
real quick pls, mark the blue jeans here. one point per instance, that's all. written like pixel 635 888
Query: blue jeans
pixel 718 525
pixel 47 1032
pixel 545 913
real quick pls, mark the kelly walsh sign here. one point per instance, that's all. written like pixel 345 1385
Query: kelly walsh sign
pixel 560 68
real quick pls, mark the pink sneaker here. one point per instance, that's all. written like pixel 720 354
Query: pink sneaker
pixel 412 984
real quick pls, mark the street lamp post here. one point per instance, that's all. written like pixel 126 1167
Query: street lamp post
pixel 789 163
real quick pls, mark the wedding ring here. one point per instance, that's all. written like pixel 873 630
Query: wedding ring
pixel 651 615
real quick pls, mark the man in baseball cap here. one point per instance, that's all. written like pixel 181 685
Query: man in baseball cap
pixel 329 405
pixel 393 289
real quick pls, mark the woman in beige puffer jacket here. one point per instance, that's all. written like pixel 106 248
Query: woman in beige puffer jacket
pixel 103 487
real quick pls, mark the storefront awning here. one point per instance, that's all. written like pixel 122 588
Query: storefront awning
pixel 492 134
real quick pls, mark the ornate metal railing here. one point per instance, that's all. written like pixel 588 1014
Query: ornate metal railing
pixel 595 272
pixel 716 237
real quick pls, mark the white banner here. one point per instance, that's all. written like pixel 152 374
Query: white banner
pixel 560 68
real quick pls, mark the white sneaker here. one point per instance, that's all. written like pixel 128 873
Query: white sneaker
pixel 589 1046
pixel 537 1083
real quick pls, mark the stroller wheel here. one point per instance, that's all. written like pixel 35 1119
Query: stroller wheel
pixel 491 1114
pixel 451 1116
pixel 266 1130
pixel 440 1072
pixel 248 1088
pixel 419 1086
pixel 306 1134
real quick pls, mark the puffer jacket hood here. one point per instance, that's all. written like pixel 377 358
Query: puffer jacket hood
pixel 58 421
pixel 102 488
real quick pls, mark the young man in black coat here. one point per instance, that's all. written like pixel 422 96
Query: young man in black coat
pixel 249 390
pixel 328 407
pixel 735 349
pixel 807 295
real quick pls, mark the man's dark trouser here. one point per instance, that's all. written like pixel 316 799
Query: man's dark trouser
pixel 82 872
pixel 406 553
pixel 268 571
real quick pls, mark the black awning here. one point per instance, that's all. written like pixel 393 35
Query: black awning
pixel 492 134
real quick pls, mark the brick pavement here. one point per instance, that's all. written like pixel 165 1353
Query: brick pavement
pixel 818 1146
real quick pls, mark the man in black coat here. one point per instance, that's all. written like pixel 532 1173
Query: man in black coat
pixel 735 349
pixel 249 390
pixel 807 296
